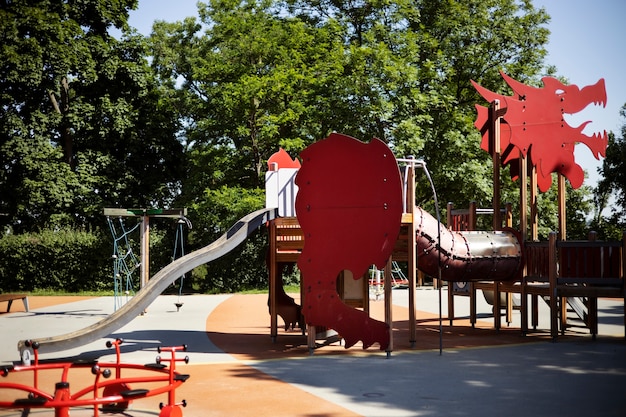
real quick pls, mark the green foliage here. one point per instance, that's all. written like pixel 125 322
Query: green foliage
pixel 83 122
pixel 610 194
pixel 244 267
pixel 63 260
pixel 263 76
pixel 252 81
pixel 578 207
pixel 189 116
pixel 73 261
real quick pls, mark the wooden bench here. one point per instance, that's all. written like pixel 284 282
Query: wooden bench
pixel 12 297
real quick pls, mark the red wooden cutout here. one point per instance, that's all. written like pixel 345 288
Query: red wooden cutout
pixel 283 160
pixel 349 206
pixel 534 124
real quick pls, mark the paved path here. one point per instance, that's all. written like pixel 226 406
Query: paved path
pixel 237 371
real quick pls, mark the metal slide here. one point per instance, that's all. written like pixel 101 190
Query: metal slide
pixel 156 285
pixel 466 256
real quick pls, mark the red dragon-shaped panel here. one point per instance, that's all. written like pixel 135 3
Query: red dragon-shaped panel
pixel 534 122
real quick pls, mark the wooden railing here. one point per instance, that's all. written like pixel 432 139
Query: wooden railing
pixel 587 269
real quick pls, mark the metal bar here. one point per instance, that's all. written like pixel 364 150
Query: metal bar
pixel 139 212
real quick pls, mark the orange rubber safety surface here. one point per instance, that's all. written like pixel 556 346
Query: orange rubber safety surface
pixel 240 326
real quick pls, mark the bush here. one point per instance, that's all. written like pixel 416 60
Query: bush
pixel 243 268
pixel 62 260
pixel 78 261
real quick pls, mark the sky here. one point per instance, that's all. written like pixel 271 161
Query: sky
pixel 587 42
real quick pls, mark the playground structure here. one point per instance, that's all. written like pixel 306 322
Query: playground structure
pixel 335 216
pixel 153 288
pixel 350 215
pixel 452 256
pixel 528 132
pixel 117 391
pixel 466 220
pixel 503 261
pixel 106 394
pixel 125 260
pixel 375 221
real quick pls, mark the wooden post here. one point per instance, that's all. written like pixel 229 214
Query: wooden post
pixel 412 255
pixel 272 285
pixel 552 273
pixel 144 237
pixel 523 196
pixel 389 305
pixel 508 215
pixel 562 220
pixel 562 235
pixel 144 232
pixel 592 304
pixel 494 133
pixel 534 218
pixel 472 218
pixel 523 227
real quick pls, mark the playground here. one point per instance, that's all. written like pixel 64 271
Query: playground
pixel 235 368
pixel 532 327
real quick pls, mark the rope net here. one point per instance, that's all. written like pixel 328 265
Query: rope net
pixel 125 261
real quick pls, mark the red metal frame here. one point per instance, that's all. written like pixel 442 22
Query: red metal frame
pixel 116 393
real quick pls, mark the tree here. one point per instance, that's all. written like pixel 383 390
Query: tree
pixel 612 185
pixel 253 75
pixel 83 123
pixel 413 62
pixel 250 82
pixel 260 76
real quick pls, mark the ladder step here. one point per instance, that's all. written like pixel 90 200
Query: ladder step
pixel 181 377
pixel 132 393
pixel 30 401
pixel 155 365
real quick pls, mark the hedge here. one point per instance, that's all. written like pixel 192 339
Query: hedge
pixel 77 261
pixel 64 260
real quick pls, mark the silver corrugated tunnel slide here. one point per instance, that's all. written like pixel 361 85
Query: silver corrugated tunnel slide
pixel 466 256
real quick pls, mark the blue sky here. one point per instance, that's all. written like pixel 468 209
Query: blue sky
pixel 587 42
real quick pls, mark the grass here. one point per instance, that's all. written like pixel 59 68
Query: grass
pixel 293 288
pixel 54 293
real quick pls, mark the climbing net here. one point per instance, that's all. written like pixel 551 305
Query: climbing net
pixel 125 261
